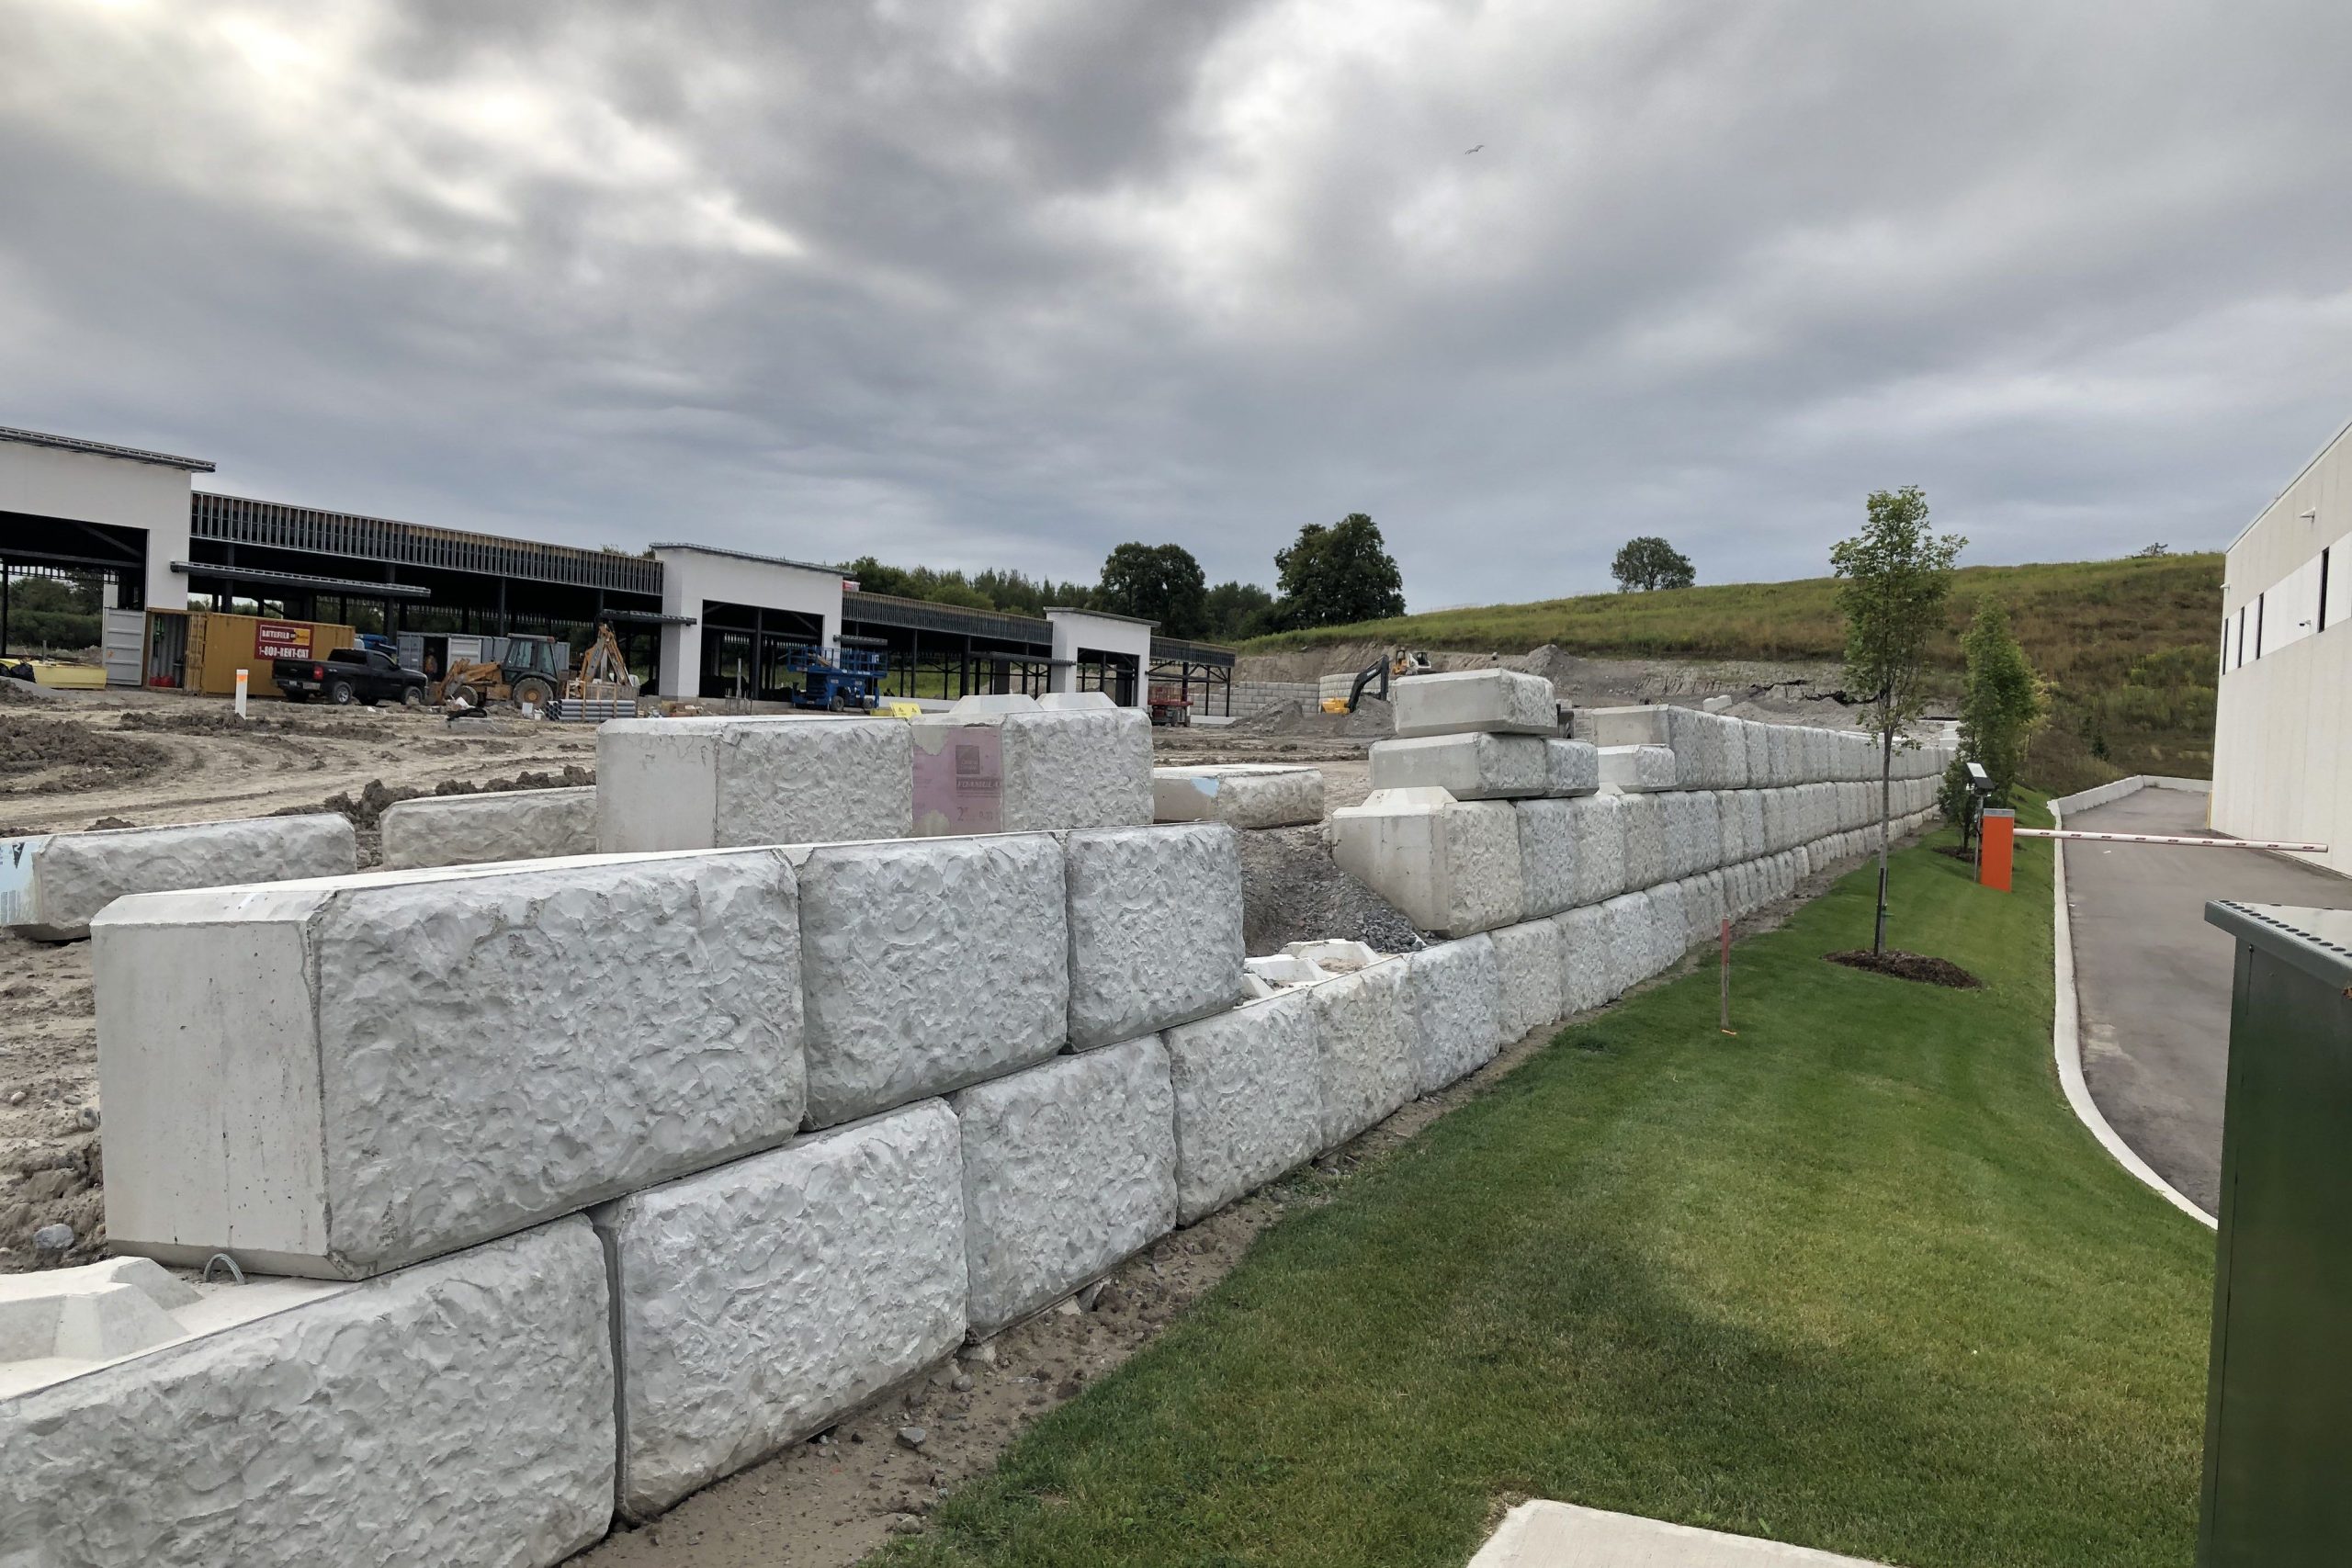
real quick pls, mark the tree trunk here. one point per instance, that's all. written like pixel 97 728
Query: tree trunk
pixel 1885 821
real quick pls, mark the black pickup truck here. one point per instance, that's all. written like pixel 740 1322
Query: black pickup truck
pixel 351 675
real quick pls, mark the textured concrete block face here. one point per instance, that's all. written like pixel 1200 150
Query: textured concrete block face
pixel 1696 741
pixel 930 964
pixel 1626 937
pixel 1468 767
pixel 1780 745
pixel 1585 973
pixel 1635 768
pixel 475 829
pixel 1239 797
pixel 52 884
pixel 1465 702
pixel 1456 995
pixel 1694 826
pixel 1550 834
pixel 1731 827
pixel 1366 1067
pixel 1756 742
pixel 1248 1106
pixel 1702 908
pixel 1644 818
pixel 1067 1169
pixel 762 1300
pixel 1155 929
pixel 334 1078
pixel 1527 968
pixel 1598 824
pixel 1451 867
pixel 694 783
pixel 457 1413
pixel 1085 768
pixel 1670 928
pixel 1571 767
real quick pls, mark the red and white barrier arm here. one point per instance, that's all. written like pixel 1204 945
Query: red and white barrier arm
pixel 2161 839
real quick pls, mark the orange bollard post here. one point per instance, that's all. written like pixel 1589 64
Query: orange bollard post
pixel 1999 830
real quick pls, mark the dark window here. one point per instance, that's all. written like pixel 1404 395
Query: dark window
pixel 2241 663
pixel 2257 623
pixel 2322 592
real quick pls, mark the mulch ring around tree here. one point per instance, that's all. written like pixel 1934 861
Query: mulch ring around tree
pixel 1908 967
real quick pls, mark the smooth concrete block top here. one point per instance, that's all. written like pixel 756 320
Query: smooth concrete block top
pixel 52 884
pixel 1571 767
pixel 1449 866
pixel 1075 702
pixel 1155 928
pixel 457 1413
pixel 498 825
pixel 1637 767
pixel 1067 1169
pixel 1240 795
pixel 1467 701
pixel 1586 977
pixel 694 783
pixel 1247 1103
pixel 1527 965
pixel 1365 1049
pixel 762 1300
pixel 335 1077
pixel 1468 767
pixel 1643 725
pixel 1456 991
pixel 1550 837
pixel 929 964
pixel 1562 1535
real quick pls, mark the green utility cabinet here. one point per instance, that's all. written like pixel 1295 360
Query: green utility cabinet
pixel 2278 1489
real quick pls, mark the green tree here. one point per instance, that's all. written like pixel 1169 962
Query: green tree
pixel 1159 582
pixel 1338 575
pixel 1649 562
pixel 2002 704
pixel 1237 611
pixel 1896 578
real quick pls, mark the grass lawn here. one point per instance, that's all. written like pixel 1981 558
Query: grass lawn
pixel 1855 1279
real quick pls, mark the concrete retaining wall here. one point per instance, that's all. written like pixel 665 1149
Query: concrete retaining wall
pixel 1155 929
pixel 695 783
pixel 499 825
pixel 1366 1067
pixel 1455 992
pixel 1528 967
pixel 1239 795
pixel 1248 1104
pixel 54 884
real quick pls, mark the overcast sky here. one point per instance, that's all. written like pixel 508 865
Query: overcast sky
pixel 1007 282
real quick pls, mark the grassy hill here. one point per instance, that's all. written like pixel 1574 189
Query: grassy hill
pixel 2127 647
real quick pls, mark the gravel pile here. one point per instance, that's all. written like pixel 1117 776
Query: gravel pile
pixel 1293 891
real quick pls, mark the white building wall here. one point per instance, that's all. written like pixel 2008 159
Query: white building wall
pixel 2285 715
pixel 692 573
pixel 1084 629
pixel 119 491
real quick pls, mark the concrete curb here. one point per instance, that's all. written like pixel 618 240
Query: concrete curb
pixel 2066 1023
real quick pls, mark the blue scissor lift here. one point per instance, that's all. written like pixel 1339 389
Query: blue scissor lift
pixel 844 678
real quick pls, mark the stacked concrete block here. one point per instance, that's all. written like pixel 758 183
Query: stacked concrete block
pixel 759 1303
pixel 1497 701
pixel 1572 767
pixel 1366 1067
pixel 52 884
pixel 1248 1102
pixel 336 1077
pixel 1089 767
pixel 457 1413
pixel 1704 905
pixel 1455 993
pixel 1638 768
pixel 700 784
pixel 1698 739
pixel 1155 929
pixel 1627 934
pixel 1239 795
pixel 1586 973
pixel 1756 742
pixel 1693 830
pixel 1669 927
pixel 1067 1169
pixel 1645 820
pixel 498 825
pixel 1751 814
pixel 930 964
pixel 1779 805
pixel 1551 838
pixel 1779 751
pixel 1528 967
pixel 1468 767
pixel 1731 827
pixel 1449 866
pixel 1597 824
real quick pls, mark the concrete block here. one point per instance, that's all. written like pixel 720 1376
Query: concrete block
pixel 1466 702
pixel 1527 966
pixel 1703 907
pixel 1696 738
pixel 1366 1067
pixel 1628 935
pixel 1029 769
pixel 1755 741
pixel 1067 1169
pixel 1550 833
pixel 1777 806
pixel 1572 767
pixel 1751 830
pixel 1449 866
pixel 1074 702
pixel 1694 831
pixel 336 1077
pixel 1736 774
pixel 457 1413
pixel 1248 1106
pixel 1587 975
pixel 1456 991
pixel 981 707
pixel 1669 927
pixel 1641 768
pixel 1645 820
pixel 500 824
pixel 1284 969
pixel 52 884
pixel 1468 767
pixel 1780 746
pixel 1597 824
pixel 1644 725
pixel 1334 955
pixel 700 784
pixel 928 965
pixel 1731 827
pixel 1155 929
pixel 762 1300
pixel 1240 795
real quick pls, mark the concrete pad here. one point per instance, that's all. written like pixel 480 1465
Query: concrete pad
pixel 499 825
pixel 1645 820
pixel 457 1413
pixel 1586 972
pixel 700 784
pixel 1464 702
pixel 335 1077
pixel 1067 1169
pixel 1598 823
pixel 1548 838
pixel 1561 1535
pixel 1627 934
pixel 1571 767
pixel 1527 964
pixel 1637 767
pixel 52 884
pixel 1248 1106
pixel 1456 991
pixel 1449 866
pixel 1155 929
pixel 762 1300
pixel 1240 795
pixel 1468 767
pixel 1363 1044
pixel 930 964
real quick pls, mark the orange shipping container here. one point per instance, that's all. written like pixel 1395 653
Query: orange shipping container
pixel 201 651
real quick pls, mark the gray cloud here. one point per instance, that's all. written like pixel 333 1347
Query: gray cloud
pixel 1006 283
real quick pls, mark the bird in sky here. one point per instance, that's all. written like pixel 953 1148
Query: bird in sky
pixel 1481 147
